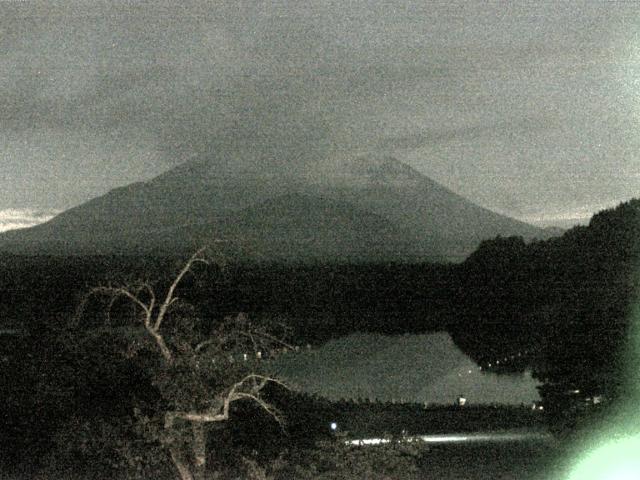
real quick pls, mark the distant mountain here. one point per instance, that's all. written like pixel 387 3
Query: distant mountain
pixel 555 231
pixel 361 208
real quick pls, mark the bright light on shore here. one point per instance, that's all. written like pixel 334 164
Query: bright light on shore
pixel 490 437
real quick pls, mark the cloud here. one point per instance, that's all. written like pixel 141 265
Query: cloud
pixel 452 88
pixel 13 218
pixel 568 216
pixel 467 132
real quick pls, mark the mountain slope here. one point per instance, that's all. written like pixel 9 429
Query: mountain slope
pixel 299 227
pixel 363 207
pixel 451 225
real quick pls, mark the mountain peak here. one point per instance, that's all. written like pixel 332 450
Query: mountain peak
pixel 383 167
pixel 368 170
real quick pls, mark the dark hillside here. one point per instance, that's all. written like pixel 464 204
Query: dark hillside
pixel 568 299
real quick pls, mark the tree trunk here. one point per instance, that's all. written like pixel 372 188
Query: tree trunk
pixel 199 450
pixel 166 353
pixel 181 465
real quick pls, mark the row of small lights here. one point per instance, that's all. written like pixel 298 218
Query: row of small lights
pixel 334 425
pixel 535 406
pixel 296 349
pixel 259 355
pixel 497 362
pixel 507 359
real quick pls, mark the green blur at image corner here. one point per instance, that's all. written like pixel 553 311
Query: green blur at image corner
pixel 611 451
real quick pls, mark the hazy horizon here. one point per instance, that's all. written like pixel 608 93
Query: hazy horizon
pixel 14 218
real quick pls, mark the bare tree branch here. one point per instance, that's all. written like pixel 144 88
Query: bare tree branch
pixel 162 345
pixel 181 465
pixel 229 335
pixel 152 295
pixel 196 257
pixel 121 291
pixel 204 344
pixel 205 417
pixel 151 325
pixel 113 300
pixel 271 338
pixel 270 409
pixel 234 394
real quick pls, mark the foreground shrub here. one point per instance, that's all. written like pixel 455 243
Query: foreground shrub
pixel 336 460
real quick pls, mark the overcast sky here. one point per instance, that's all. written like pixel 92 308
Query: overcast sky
pixel 528 108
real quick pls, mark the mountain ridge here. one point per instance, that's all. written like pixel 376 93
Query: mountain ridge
pixel 404 213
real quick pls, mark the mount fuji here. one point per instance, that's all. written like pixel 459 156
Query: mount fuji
pixel 362 208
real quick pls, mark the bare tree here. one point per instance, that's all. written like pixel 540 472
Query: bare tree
pixel 199 375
